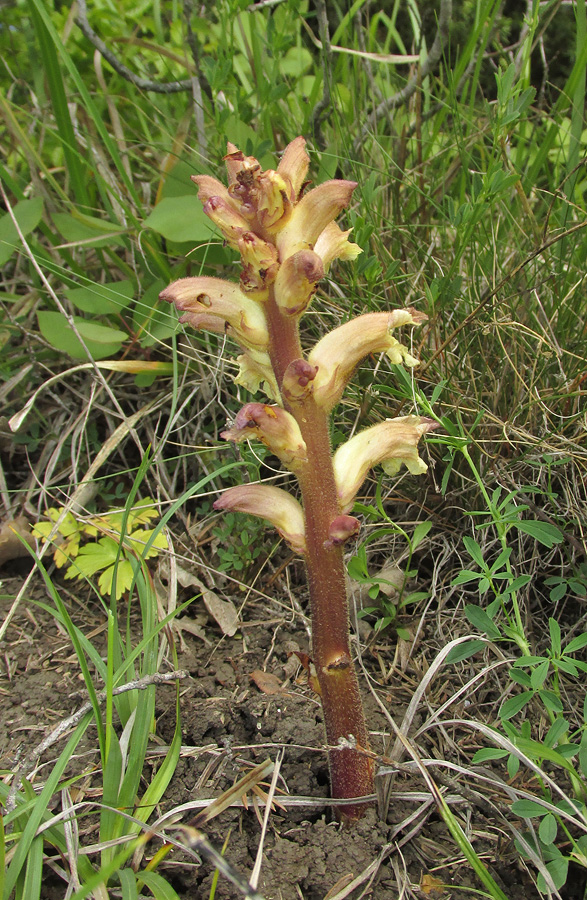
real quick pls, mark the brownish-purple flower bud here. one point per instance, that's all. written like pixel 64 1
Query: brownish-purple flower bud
pixel 341 529
pixel 297 380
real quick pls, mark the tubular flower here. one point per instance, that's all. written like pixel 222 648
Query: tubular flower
pixel 392 443
pixel 311 216
pixel 204 299
pixel 271 503
pixel 293 165
pixel 338 353
pixel 275 427
pixel 296 281
pixel 255 372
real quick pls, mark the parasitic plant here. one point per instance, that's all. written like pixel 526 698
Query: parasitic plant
pixel 287 238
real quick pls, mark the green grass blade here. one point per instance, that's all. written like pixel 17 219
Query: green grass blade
pixel 76 169
pixel 40 808
pixel 158 785
pixel 95 115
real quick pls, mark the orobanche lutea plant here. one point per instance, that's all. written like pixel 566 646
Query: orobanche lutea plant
pixel 287 239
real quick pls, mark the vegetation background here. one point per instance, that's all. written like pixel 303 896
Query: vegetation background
pixel 463 124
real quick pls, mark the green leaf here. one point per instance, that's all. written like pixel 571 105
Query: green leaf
pixel 569 666
pixel 92 558
pixel 528 809
pixel 76 229
pixel 479 618
pixel 548 829
pixel 124 573
pixel 558 870
pixel 420 532
pixel 474 551
pixel 551 701
pixel 181 219
pixel 514 705
pixel 539 674
pixel 464 651
pixel 160 888
pixel 543 532
pixel 28 214
pixel 577 643
pixel 558 728
pixel 102 299
pixel 583 753
pixel 153 319
pixel 555 636
pixel 101 340
pixel 487 754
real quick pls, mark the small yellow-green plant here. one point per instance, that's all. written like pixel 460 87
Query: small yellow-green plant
pixel 104 543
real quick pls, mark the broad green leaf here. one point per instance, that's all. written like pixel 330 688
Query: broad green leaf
pixel 295 62
pixel 558 728
pixel 102 299
pixel 124 578
pixel 528 809
pixel 543 532
pixel 539 674
pixel 181 219
pixel 479 618
pixel 512 707
pixel 464 651
pixel 101 340
pixel 583 753
pixel 28 214
pixel 548 828
pixel 474 551
pixel 153 319
pixel 128 884
pixel 92 558
pixel 558 870
pixel 555 635
pixel 551 701
pixel 160 888
pixel 81 229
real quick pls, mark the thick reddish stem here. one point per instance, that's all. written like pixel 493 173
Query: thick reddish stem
pixel 351 771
